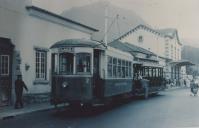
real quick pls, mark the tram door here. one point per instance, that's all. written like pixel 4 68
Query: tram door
pixel 6 51
pixel 96 74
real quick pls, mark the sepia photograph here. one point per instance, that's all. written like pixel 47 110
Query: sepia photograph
pixel 99 63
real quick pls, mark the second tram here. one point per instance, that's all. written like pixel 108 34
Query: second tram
pixel 154 77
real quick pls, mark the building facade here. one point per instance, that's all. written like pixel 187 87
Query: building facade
pixel 27 32
pixel 164 43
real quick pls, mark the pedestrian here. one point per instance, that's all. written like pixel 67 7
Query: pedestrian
pixel 19 85
pixel 194 87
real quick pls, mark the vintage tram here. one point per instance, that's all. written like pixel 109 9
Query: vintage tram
pixel 153 74
pixel 86 72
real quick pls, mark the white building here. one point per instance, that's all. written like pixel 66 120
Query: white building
pixel 27 32
pixel 164 43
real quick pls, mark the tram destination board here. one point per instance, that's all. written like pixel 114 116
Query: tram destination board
pixel 66 49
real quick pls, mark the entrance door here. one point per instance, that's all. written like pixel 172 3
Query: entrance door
pixel 6 52
pixel 96 74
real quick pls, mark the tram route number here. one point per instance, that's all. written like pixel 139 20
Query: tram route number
pixel 68 49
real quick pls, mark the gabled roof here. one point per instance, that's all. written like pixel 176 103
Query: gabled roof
pixel 160 32
pixel 139 49
pixel 182 63
pixel 119 45
pixel 127 47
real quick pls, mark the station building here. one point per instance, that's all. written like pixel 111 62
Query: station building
pixel 165 44
pixel 26 34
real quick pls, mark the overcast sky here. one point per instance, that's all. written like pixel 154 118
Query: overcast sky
pixel 180 14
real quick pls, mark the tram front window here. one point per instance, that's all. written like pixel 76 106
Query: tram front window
pixel 66 63
pixel 83 62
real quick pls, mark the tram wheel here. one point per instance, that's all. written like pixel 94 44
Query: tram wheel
pixel 87 105
pixel 75 105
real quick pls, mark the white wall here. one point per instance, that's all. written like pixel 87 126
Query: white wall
pixel 27 31
pixel 151 41
pixel 155 43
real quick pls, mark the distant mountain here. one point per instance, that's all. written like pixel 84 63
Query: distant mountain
pixel 120 20
pixel 191 42
pixel 190 53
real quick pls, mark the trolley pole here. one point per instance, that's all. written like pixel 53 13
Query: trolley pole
pixel 106 26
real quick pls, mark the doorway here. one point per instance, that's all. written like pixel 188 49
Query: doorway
pixel 6 55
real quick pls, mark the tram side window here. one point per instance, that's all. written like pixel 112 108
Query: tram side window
pixel 150 72
pixel 123 69
pixel 126 70
pixel 114 67
pixel 66 63
pixel 110 64
pixel 157 72
pixel 118 68
pixel 119 72
pixel 146 71
pixel 129 69
pixel 83 61
pixel 54 63
pixel 154 72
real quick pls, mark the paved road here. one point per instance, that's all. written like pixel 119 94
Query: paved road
pixel 170 109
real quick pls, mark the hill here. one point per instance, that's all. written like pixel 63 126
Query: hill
pixel 120 20
pixel 190 53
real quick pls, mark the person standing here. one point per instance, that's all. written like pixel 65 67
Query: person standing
pixel 19 85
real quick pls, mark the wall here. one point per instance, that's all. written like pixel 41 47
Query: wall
pixel 173 48
pixel 26 32
pixel 151 41
pixel 158 44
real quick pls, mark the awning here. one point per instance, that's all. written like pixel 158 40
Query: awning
pixel 181 63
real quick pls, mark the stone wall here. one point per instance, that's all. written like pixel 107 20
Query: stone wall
pixel 36 98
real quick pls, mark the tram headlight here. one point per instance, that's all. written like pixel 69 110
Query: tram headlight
pixel 65 84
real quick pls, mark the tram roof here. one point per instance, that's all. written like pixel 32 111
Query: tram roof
pixel 78 43
pixel 182 63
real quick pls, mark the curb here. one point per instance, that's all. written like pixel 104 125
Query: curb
pixel 7 116
pixel 11 115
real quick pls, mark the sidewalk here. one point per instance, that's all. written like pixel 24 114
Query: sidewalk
pixel 10 112
pixel 175 87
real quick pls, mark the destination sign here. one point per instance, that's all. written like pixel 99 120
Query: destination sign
pixel 66 49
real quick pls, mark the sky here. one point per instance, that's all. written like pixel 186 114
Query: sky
pixel 180 14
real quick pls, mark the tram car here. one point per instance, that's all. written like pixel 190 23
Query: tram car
pixel 85 72
pixel 153 75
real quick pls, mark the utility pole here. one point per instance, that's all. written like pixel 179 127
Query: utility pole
pixel 106 26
